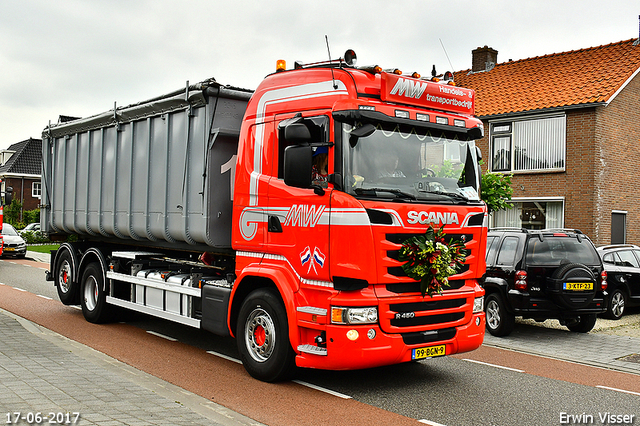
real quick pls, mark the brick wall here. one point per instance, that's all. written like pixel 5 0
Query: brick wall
pixel 617 153
pixel 28 202
pixel 602 162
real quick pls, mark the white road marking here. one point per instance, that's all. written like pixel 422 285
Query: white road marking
pixel 162 335
pixel 430 423
pixel 494 365
pixel 321 389
pixel 228 358
pixel 618 390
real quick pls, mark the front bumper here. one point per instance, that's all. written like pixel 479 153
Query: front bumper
pixel 345 353
pixel 14 252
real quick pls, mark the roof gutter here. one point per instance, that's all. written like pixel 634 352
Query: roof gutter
pixel 542 111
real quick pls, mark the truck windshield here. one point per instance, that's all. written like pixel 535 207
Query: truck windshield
pixel 409 163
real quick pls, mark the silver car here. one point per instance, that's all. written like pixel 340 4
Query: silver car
pixel 13 245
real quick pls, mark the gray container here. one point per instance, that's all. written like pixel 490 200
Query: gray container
pixel 156 173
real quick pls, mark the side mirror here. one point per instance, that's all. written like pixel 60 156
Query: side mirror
pixel 297 133
pixel 8 195
pixel 360 132
pixel 298 165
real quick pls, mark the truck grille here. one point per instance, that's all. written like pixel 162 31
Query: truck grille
pixel 397 271
pixel 420 315
pixel 402 308
pixel 423 337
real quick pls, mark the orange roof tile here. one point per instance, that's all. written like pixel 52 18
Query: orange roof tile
pixel 578 77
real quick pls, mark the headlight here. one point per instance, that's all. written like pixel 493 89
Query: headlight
pixel 478 305
pixel 346 315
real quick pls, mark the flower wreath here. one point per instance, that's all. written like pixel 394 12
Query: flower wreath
pixel 431 260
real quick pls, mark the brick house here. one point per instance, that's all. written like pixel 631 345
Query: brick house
pixel 20 169
pixel 566 126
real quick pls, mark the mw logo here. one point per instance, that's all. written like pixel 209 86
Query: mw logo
pixel 409 88
pixel 304 215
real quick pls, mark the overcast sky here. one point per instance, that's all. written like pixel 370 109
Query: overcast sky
pixel 78 57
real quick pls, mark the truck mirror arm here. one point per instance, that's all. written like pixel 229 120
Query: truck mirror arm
pixel 336 180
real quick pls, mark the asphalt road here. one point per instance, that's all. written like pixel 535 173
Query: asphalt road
pixel 486 387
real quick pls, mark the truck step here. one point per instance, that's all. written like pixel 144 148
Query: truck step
pixel 311 349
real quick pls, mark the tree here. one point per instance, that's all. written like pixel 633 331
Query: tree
pixel 496 191
pixel 12 212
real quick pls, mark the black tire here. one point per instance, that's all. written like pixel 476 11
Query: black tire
pixel 93 295
pixel 616 304
pixel 499 321
pixel 262 335
pixel 575 272
pixel 584 324
pixel 64 279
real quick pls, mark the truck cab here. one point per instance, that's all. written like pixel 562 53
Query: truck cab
pixel 402 157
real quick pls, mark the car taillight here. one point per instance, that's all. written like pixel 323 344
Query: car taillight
pixel 521 280
pixel 603 280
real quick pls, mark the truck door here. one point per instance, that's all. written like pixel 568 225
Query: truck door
pixel 298 218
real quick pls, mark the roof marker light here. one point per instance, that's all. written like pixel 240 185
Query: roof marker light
pixel 422 117
pixel 415 75
pixel 281 65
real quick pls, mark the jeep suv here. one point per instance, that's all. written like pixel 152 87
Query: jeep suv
pixel 542 274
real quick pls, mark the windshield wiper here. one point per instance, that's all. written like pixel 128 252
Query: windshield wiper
pixel 448 194
pixel 398 193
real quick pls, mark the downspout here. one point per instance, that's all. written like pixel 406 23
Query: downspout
pixel 22 200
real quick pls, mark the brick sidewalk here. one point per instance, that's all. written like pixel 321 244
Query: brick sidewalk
pixel 596 349
pixel 43 372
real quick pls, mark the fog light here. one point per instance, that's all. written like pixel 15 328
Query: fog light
pixel 352 335
pixel 478 305
pixel 371 334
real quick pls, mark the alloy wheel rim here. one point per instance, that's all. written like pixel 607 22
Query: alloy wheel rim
pixel 64 276
pixel 617 304
pixel 91 293
pixel 493 314
pixel 260 335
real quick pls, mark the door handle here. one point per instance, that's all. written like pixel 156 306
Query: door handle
pixel 274 224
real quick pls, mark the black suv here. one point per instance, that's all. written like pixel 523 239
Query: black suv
pixel 542 274
pixel 622 263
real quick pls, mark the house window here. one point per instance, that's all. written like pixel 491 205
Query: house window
pixel 530 214
pixel 528 145
pixel 36 189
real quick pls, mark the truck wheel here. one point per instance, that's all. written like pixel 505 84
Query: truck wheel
pixel 263 337
pixel 93 295
pixel 583 325
pixel 615 307
pixel 499 321
pixel 66 283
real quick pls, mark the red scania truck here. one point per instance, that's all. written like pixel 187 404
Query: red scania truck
pixel 198 207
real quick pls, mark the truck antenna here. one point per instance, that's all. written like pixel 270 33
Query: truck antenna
pixel 335 86
pixel 445 54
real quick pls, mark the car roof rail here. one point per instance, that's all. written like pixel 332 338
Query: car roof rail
pixel 510 228
pixel 567 230
pixel 612 246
